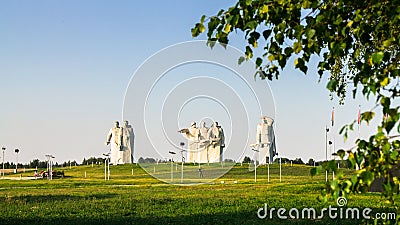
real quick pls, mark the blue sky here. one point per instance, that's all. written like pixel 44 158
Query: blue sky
pixel 65 66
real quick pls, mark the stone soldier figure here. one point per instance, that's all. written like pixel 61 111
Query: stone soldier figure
pixel 217 143
pixel 193 135
pixel 114 138
pixel 128 143
pixel 203 143
pixel 265 140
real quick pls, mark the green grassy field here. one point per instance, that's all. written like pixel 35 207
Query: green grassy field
pixel 142 199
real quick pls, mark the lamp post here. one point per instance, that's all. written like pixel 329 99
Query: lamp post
pixel 106 164
pixel 49 166
pixel 172 165
pixel 4 149
pixel 268 171
pixel 326 150
pixel 183 159
pixel 16 163
pixel 255 165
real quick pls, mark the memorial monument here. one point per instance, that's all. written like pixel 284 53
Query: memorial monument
pixel 205 144
pixel 121 141
pixel 265 140
pixel 217 143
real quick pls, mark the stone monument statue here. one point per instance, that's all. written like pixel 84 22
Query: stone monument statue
pixel 265 140
pixel 121 140
pixel 194 135
pixel 203 143
pixel 128 138
pixel 217 143
pixel 114 138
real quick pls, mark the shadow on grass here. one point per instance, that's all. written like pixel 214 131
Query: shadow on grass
pixel 215 219
pixel 50 197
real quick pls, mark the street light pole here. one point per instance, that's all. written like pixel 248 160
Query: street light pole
pixel 255 165
pixel 16 163
pixel 4 149
pixel 106 163
pixel 183 158
pixel 172 165
pixel 109 172
pixel 326 150
pixel 49 167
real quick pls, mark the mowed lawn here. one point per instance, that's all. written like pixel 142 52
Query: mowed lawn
pixel 141 199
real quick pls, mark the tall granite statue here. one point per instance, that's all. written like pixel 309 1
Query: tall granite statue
pixel 205 144
pixel 128 138
pixel 194 135
pixel 217 143
pixel 265 140
pixel 121 140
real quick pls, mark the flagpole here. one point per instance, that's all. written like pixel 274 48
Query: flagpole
pixel 333 132
pixel 359 120
pixel 359 125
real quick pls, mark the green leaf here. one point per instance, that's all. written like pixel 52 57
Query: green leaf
pixel 241 60
pixel 271 57
pixel 341 153
pixel 310 33
pixel 331 165
pixel 316 170
pixel 249 52
pixel 367 116
pixel 367 177
pixel 227 28
pixel 384 82
pixel 332 84
pixel 202 19
pixel 258 61
pixel 267 33
pixel 394 155
pixel 377 57
pixel 387 43
pixel 264 9
pixel 334 185
pixel 297 47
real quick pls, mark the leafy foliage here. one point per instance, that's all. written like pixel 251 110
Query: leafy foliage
pixel 357 45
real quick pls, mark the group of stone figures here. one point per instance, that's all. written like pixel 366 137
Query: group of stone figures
pixel 121 140
pixel 205 144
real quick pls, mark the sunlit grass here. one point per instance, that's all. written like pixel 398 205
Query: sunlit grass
pixel 141 199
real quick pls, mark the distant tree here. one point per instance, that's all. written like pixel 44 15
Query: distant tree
pixel 37 163
pixel 284 160
pixel 228 160
pixel 246 159
pixel 91 160
pixel 150 160
pixel 311 162
pixel 141 160
pixel 298 161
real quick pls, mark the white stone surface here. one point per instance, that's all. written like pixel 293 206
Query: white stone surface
pixel 121 141
pixel 265 140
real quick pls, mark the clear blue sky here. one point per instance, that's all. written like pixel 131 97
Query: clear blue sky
pixel 65 66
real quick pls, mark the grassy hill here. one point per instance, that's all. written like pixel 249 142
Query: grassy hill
pixel 141 199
